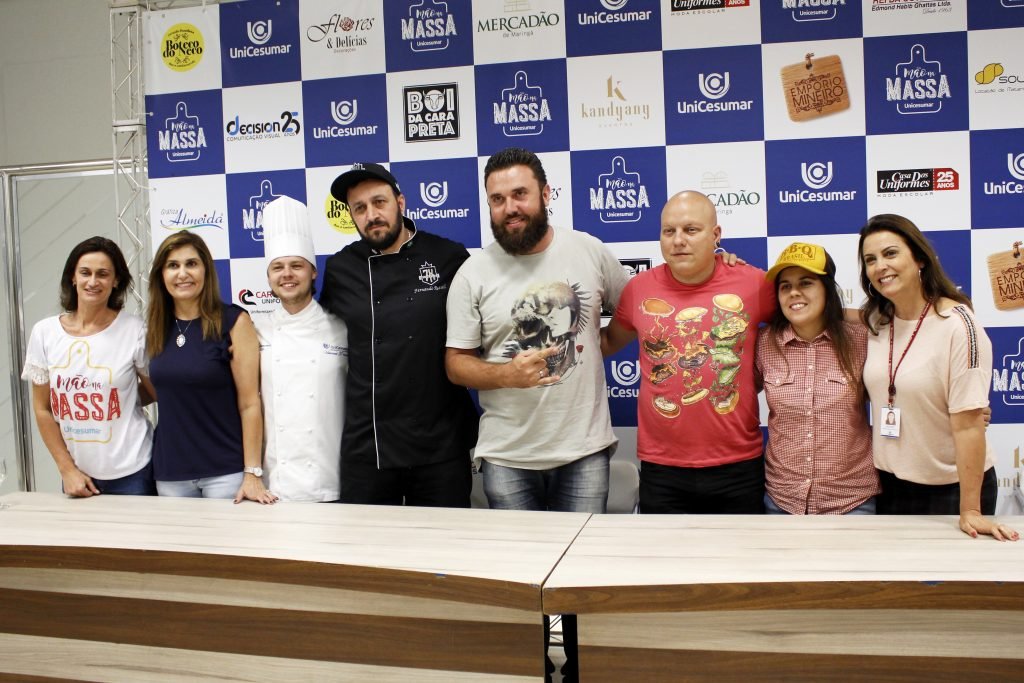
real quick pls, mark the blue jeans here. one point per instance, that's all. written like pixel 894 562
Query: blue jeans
pixel 865 508
pixel 137 484
pixel 224 486
pixel 579 486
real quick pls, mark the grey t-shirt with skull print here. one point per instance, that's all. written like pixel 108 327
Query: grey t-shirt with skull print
pixel 506 304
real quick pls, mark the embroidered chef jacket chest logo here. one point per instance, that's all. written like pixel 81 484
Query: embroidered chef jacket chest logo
pixel 429 275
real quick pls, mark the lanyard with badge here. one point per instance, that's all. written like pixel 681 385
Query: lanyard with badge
pixel 889 417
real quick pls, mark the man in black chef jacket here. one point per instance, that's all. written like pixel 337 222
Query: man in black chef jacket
pixel 408 430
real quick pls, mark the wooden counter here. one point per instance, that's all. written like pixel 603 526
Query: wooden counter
pixel 728 598
pixel 159 589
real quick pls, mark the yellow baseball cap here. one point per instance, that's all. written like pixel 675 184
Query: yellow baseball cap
pixel 812 257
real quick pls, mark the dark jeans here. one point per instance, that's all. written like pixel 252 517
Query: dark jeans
pixel 733 489
pixel 443 484
pixel 900 497
pixel 139 484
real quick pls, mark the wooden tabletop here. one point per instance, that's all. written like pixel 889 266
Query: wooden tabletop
pixel 508 549
pixel 619 562
pixel 127 588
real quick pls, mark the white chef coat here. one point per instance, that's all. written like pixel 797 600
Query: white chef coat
pixel 303 363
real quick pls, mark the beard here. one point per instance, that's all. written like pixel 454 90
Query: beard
pixel 522 241
pixel 385 240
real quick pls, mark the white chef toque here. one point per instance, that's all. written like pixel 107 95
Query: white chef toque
pixel 286 230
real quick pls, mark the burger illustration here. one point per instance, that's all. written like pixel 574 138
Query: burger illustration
pixel 727 336
pixel 688 318
pixel 658 347
pixel 692 397
pixel 731 322
pixel 657 307
pixel 661 372
pixel 666 407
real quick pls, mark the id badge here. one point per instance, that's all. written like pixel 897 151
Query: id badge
pixel 889 422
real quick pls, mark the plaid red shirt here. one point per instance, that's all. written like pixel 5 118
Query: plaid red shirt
pixel 818 459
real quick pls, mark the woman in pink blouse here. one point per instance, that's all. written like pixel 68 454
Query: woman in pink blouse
pixel 929 365
pixel 818 459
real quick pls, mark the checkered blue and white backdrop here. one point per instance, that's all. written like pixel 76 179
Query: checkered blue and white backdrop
pixel 915 108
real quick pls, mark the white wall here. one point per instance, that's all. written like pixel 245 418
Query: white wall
pixel 54 81
pixel 54 107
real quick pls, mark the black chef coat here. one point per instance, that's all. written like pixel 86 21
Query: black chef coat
pixel 400 408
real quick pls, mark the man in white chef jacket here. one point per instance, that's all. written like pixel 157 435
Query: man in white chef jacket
pixel 303 363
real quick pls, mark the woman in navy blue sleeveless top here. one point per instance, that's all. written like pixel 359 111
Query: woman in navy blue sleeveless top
pixel 204 363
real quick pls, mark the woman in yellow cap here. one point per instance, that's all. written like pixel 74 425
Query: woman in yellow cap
pixel 818 459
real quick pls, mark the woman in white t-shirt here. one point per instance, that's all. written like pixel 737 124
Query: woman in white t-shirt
pixel 928 369
pixel 89 383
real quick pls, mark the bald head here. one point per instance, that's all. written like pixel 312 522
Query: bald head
pixel 689 235
pixel 694 204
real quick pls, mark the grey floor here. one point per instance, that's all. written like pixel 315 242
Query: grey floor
pixel 558 657
pixel 555 651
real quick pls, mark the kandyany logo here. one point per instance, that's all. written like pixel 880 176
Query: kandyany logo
pixel 616 110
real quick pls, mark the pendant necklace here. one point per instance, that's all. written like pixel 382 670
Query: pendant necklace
pixel 180 339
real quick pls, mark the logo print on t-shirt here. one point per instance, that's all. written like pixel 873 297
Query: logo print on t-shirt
pixel 682 345
pixel 550 315
pixel 82 397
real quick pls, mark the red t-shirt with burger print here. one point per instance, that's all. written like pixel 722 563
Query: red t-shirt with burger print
pixel 698 401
